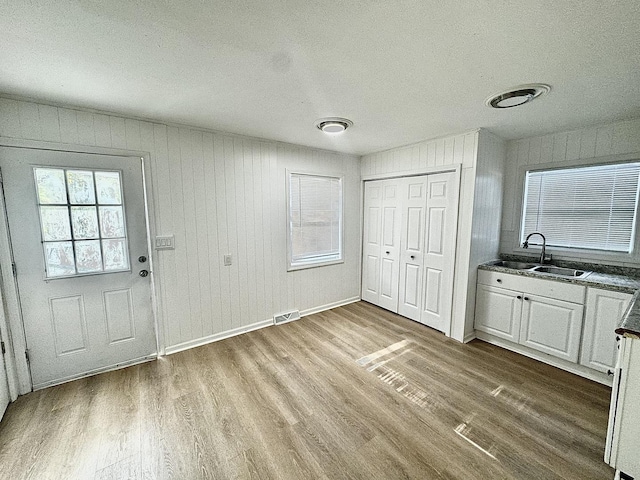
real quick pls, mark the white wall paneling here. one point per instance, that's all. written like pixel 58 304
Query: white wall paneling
pixel 480 155
pixel 606 143
pixel 218 194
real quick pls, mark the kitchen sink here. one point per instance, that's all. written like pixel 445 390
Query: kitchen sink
pixel 536 267
pixel 515 265
pixel 563 272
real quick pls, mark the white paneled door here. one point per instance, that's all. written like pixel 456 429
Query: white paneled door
pixel 79 238
pixel 439 250
pixel 381 251
pixel 414 202
pixel 409 246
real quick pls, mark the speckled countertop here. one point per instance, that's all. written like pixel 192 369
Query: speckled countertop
pixel 630 323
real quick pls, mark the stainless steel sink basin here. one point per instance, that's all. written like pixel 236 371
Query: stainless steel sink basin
pixel 563 272
pixel 515 265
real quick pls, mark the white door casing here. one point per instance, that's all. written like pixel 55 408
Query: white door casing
pixel 78 325
pixel 439 250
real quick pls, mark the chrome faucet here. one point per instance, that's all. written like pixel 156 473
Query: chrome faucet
pixel 544 245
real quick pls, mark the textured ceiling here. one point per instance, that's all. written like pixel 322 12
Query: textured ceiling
pixel 403 71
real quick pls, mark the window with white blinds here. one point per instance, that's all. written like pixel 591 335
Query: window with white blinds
pixel 592 208
pixel 315 220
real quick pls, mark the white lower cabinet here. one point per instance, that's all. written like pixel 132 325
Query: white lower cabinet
pixel 498 312
pixel 603 312
pixel 569 321
pixel 551 326
pixel 540 314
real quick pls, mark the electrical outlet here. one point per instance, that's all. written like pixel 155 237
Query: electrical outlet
pixel 227 260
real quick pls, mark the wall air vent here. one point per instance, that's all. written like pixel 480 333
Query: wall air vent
pixel 286 317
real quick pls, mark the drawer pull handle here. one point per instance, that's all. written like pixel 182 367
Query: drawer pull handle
pixel 610 373
pixel 526 298
pixel 499 280
pixel 519 297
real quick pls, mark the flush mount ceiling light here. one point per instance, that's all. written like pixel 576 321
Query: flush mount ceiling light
pixel 517 96
pixel 333 125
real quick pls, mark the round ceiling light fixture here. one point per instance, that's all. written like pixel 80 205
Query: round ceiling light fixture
pixel 333 125
pixel 517 96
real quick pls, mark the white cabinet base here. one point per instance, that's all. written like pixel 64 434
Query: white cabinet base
pixel 571 367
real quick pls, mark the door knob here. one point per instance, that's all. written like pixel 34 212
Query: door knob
pixel 144 273
pixel 387 253
pixel 142 259
pixel 412 257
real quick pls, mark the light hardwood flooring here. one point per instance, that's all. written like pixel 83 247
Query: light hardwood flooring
pixel 312 399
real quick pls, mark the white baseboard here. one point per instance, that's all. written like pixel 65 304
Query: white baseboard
pixel 548 359
pixel 329 306
pixel 248 328
pixel 469 336
pixel 217 336
pixel 96 371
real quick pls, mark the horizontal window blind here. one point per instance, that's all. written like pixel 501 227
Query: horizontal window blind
pixel 588 207
pixel 315 219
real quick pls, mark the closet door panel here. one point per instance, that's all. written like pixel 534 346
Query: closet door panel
pixel 414 196
pixel 371 247
pixel 439 251
pixel 390 254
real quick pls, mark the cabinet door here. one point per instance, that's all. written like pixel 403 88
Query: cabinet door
pixel 414 195
pixel 604 310
pixel 551 326
pixel 498 312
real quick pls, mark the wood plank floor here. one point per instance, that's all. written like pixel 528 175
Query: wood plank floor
pixel 355 392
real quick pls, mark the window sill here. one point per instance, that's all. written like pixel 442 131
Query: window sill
pixel 303 266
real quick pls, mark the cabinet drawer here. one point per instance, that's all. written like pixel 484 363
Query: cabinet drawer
pixel 536 286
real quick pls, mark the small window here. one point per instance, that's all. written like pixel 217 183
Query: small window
pixel 82 221
pixel 593 208
pixel 315 220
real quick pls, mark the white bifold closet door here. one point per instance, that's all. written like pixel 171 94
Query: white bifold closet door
pixel 409 246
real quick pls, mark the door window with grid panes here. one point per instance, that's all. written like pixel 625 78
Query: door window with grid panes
pixel 82 221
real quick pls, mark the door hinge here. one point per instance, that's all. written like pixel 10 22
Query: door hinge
pixel 14 269
pixel 4 350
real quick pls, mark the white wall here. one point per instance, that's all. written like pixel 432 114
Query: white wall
pixel 218 194
pixel 487 208
pixel 607 141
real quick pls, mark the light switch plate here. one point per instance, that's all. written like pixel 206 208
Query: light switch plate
pixel 165 242
pixel 227 260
